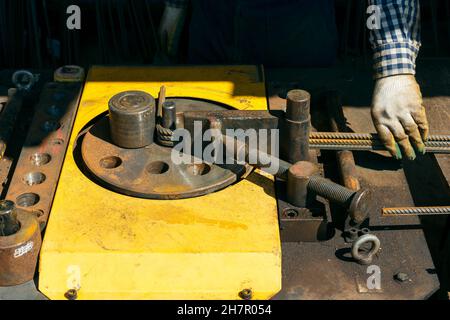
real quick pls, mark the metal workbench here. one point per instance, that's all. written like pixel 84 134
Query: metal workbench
pixel 324 270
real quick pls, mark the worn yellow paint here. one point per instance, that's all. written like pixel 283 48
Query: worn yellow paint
pixel 111 246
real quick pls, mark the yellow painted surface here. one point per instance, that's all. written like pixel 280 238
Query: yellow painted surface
pixel 111 246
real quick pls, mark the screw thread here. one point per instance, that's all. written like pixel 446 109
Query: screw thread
pixel 330 190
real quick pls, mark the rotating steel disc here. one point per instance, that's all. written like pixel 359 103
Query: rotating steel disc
pixel 149 172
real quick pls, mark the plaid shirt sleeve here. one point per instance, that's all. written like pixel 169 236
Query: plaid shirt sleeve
pixel 177 3
pixel 396 43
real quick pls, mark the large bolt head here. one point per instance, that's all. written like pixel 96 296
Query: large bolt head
pixel 360 206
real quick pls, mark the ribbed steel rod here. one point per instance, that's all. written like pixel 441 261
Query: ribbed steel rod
pixel 368 145
pixel 366 136
pixel 416 211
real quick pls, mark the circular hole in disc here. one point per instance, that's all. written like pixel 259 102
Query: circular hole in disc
pixel 200 169
pixel 157 167
pixel 110 162
pixel 34 178
pixel 27 200
pixel 40 159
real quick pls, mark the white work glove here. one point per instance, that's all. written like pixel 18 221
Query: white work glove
pixel 170 30
pixel 399 116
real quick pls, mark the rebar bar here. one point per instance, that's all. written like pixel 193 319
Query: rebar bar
pixel 366 136
pixel 415 211
pixel 344 141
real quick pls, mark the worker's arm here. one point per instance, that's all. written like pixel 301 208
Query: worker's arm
pixel 171 26
pixel 397 109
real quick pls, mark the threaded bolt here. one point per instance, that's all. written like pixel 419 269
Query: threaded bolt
pixel 330 190
pixel 356 202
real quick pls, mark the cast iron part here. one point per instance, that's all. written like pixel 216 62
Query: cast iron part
pixel 297 183
pixel 151 172
pixel 302 224
pixel 167 123
pixel 345 159
pixel 298 125
pixel 132 118
pixel 9 224
pixel 36 174
pixel 356 202
pixel 19 251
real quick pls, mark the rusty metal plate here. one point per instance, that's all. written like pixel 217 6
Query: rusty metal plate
pixel 19 251
pixel 325 270
pixel 38 168
pixel 149 172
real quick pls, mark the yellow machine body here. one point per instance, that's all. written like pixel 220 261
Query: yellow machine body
pixel 111 246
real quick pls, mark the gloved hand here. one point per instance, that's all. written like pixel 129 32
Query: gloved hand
pixel 170 30
pixel 399 116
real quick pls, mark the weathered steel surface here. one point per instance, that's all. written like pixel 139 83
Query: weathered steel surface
pixel 150 172
pixel 325 270
pixel 26 291
pixel 19 251
pixel 33 183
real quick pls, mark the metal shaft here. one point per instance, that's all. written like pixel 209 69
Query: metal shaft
pixel 345 158
pixel 169 115
pixel 298 125
pixel 298 178
pixel 132 119
pixel 356 202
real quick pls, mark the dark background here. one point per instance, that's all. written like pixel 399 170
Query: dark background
pixel 33 33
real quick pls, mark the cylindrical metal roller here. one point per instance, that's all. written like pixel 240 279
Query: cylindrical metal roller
pixel 19 249
pixel 169 115
pixel 132 119
pixel 298 105
pixel 297 182
pixel 298 125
